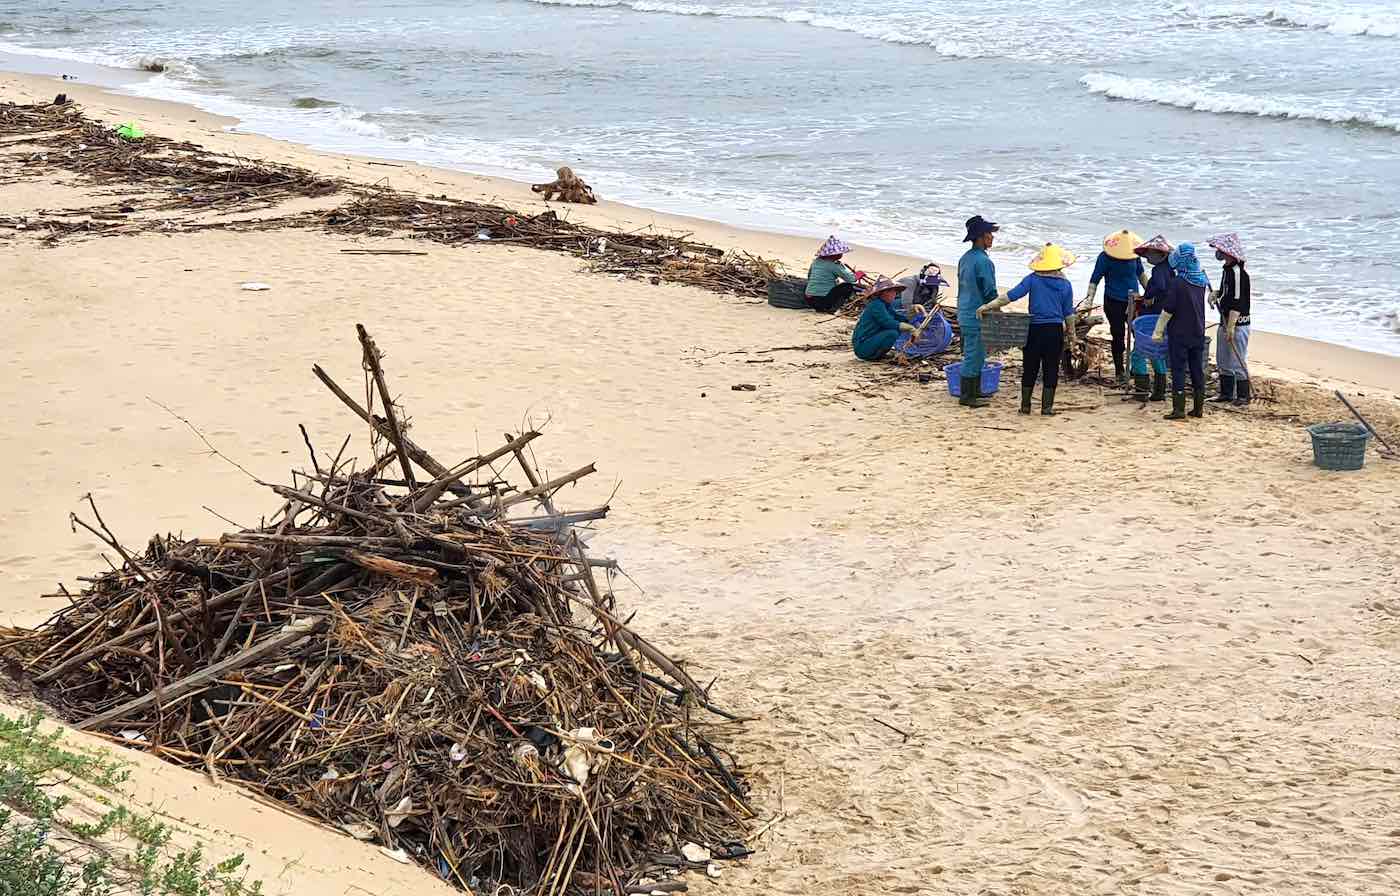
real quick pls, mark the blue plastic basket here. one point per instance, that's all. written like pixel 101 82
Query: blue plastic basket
pixel 1142 338
pixel 1339 446
pixel 991 378
pixel 936 338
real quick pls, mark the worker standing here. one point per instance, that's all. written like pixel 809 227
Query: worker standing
pixel 1052 321
pixel 1123 276
pixel 1155 252
pixel 1183 321
pixel 977 293
pixel 1232 339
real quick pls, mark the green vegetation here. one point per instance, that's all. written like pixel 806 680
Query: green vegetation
pixel 45 851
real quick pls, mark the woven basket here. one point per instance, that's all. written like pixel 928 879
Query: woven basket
pixel 1004 330
pixel 1339 446
pixel 788 292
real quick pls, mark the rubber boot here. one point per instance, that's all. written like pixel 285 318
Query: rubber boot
pixel 1026 393
pixel 1198 403
pixel 1159 386
pixel 1140 387
pixel 1227 389
pixel 972 391
pixel 1047 402
pixel 1178 407
pixel 1242 394
pixel 1119 376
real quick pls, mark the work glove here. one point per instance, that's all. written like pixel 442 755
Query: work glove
pixel 860 275
pixel 1230 325
pixel 906 328
pixel 1093 290
pixel 1160 331
pixel 920 309
pixel 1214 299
pixel 1142 279
pixel 993 305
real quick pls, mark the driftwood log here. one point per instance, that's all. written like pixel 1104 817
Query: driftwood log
pixel 569 187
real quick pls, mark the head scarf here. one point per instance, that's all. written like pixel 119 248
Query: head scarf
pixel 1230 244
pixel 833 246
pixel 1183 260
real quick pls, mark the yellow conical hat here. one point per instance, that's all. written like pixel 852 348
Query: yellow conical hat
pixel 1120 244
pixel 1052 258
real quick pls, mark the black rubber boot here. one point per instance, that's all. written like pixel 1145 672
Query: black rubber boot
pixel 1140 387
pixel 1026 393
pixel 1198 403
pixel 1159 387
pixel 1178 407
pixel 1242 394
pixel 972 392
pixel 1227 389
pixel 1047 402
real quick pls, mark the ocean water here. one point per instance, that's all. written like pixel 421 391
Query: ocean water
pixel 886 121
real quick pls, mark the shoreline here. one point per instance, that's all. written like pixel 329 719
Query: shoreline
pixel 1103 633
pixel 1292 358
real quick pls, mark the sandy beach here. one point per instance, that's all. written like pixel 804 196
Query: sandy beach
pixel 1131 657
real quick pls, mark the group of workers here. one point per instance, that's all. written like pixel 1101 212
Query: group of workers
pixel 1176 291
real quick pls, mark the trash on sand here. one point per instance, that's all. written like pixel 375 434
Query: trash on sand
pixel 694 852
pixel 255 286
pixel 403 810
pixel 359 830
pixel 330 774
pixel 130 131
pixel 398 855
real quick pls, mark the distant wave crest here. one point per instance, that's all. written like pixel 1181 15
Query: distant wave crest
pixel 1352 24
pixel 864 27
pixel 1185 95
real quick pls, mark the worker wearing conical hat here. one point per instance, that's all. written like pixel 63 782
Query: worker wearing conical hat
pixel 1232 338
pixel 1155 252
pixel 830 283
pixel 1123 276
pixel 880 324
pixel 1052 316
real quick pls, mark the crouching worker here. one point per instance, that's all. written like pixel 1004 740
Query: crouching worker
pixel 880 325
pixel 1154 252
pixel 830 283
pixel 1052 317
pixel 1183 319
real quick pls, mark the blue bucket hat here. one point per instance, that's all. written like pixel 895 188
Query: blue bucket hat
pixel 978 228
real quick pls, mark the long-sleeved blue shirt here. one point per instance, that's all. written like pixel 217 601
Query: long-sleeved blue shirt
pixel 977 281
pixel 1157 284
pixel 824 274
pixel 1187 305
pixel 1120 276
pixel 876 330
pixel 1052 297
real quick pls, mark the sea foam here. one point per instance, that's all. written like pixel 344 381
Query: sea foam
pixel 1187 95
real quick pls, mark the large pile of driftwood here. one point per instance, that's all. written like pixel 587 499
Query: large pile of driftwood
pixel 420 655
pixel 173 187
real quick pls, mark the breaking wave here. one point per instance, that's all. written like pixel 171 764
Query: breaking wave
pixel 868 27
pixel 1350 24
pixel 1185 95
